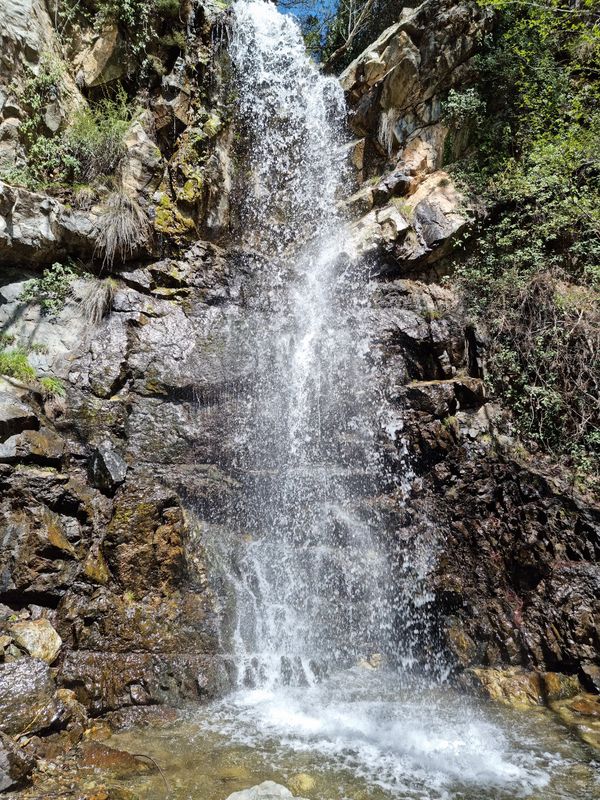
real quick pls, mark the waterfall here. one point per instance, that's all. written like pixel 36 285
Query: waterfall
pixel 323 591
pixel 313 580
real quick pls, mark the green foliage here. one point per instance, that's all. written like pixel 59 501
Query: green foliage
pixel 140 18
pixel 52 387
pixel 92 146
pixel 15 364
pixel 532 275
pixel 52 289
pixel 95 138
pixel 47 160
pixel 463 107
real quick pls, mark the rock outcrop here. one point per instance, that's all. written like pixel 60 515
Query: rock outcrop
pixel 516 578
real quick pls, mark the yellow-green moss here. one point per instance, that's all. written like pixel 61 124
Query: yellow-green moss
pixel 170 221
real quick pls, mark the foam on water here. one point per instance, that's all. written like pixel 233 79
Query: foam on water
pixel 412 744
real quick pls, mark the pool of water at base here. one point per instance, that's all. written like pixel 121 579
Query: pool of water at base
pixel 362 735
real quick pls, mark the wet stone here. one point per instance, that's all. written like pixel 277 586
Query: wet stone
pixel 107 468
pixel 15 764
pixel 26 696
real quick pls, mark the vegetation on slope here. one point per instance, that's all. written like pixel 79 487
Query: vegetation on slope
pixel 533 275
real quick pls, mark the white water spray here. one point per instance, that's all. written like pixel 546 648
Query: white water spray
pixel 320 589
pixel 313 582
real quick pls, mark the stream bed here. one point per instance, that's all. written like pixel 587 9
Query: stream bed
pixel 360 735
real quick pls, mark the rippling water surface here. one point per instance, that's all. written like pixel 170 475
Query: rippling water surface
pixel 361 735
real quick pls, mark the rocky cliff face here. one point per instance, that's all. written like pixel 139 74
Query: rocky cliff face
pixel 517 577
pixel 108 492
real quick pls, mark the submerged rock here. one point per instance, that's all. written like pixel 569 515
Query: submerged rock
pixel 268 790
pixel 302 783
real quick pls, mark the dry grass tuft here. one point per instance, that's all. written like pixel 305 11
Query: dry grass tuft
pixel 123 227
pixel 95 298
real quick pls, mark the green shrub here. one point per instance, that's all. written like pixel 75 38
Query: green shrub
pixel 531 275
pixel 15 364
pixel 95 138
pixel 52 289
pixel 52 387
pixel 461 108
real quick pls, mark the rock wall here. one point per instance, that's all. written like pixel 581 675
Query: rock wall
pixel 517 573
pixel 104 599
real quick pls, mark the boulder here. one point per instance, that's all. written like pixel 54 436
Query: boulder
pixel 15 763
pixel 512 687
pixel 268 790
pixel 26 696
pixel 108 470
pixel 38 638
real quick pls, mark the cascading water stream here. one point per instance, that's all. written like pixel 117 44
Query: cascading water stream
pixel 312 568
pixel 317 586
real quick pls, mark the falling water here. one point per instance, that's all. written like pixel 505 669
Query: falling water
pixel 323 606
pixel 313 577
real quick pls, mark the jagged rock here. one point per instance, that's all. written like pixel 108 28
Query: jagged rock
pixel 140 167
pixel 35 554
pixel 109 681
pixel 15 763
pixel 15 417
pixel 396 184
pixel 26 696
pixel 268 790
pixel 108 470
pixel 99 62
pixel 39 229
pixel 31 446
pixel 38 638
pixel 395 86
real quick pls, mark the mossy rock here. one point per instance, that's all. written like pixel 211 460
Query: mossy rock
pixel 171 222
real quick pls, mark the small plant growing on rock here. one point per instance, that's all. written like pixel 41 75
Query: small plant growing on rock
pixel 15 364
pixel 95 298
pixel 122 228
pixel 52 289
pixel 53 394
pixel 52 387
pixel 95 138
